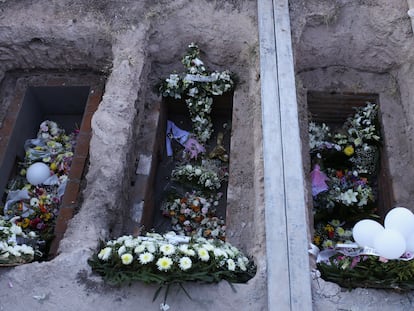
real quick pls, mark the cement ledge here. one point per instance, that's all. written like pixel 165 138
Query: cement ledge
pixel 288 271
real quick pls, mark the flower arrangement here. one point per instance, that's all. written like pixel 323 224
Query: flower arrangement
pixel 345 166
pixel 197 86
pixel 34 208
pixel 344 180
pixel 12 253
pixel 330 234
pixel 199 176
pixel 194 214
pixel 171 259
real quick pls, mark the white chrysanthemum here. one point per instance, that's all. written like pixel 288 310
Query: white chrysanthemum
pixel 167 249
pixel 121 239
pixel 139 249
pixel 14 250
pixel 208 246
pixel 187 251
pixel 130 243
pixel 105 253
pixel 164 263
pixel 28 250
pixel 145 258
pixel 218 252
pixel 185 263
pixel 17 230
pixel 150 247
pixel 203 254
pixel 231 265
pixel 121 250
pixel 127 258
pixel 241 264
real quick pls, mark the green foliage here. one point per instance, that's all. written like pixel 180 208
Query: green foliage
pixel 369 272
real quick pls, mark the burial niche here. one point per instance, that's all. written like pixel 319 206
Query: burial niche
pixel 45 143
pixel 188 182
pixel 336 109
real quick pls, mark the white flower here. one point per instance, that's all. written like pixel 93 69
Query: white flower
pixel 150 247
pixel 241 264
pixel 130 243
pixel 139 249
pixel 25 249
pixel 198 62
pixel 17 230
pixel 203 254
pixel 349 197
pixel 185 263
pixel 121 250
pixel 34 202
pixel 218 252
pixel 197 171
pixel 231 265
pixel 184 249
pixel 105 253
pixel 145 258
pixel 208 246
pixel 167 249
pixel 164 263
pixel 127 258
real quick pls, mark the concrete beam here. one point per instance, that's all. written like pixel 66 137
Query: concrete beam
pixel 289 284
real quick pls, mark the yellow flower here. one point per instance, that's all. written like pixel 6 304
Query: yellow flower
pixel 349 150
pixel 329 228
pixel 53 166
pixel 126 259
pixel 25 222
pixel 317 239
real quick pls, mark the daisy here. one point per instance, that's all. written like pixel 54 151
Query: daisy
pixel 164 263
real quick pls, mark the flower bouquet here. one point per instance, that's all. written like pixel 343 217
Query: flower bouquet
pixel 204 177
pixel 194 214
pixel 170 259
pixel 34 208
pixel 12 253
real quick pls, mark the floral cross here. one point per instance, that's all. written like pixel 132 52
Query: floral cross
pixel 197 86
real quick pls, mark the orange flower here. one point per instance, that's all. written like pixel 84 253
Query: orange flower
pixel 181 218
pixel 198 219
pixel 183 200
pixel 207 233
pixel 42 208
pixel 195 208
pixel 339 174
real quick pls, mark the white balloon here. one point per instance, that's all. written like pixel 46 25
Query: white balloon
pixel 37 173
pixel 409 241
pixel 365 231
pixel 390 244
pixel 400 219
